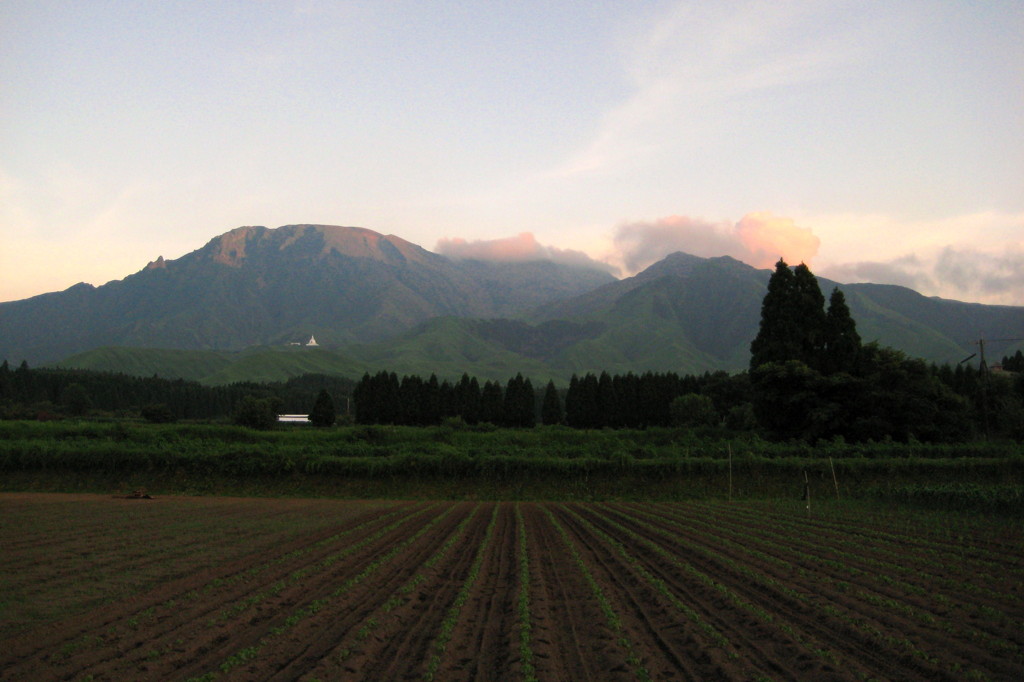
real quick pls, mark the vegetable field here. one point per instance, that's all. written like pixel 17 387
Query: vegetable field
pixel 236 589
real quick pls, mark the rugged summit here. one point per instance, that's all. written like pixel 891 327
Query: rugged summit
pixel 255 285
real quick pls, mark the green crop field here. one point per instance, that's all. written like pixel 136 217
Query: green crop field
pixel 547 463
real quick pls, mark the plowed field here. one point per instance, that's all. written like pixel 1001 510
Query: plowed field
pixel 212 588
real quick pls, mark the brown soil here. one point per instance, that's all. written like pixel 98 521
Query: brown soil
pixel 174 588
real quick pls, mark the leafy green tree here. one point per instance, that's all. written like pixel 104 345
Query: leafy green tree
pixel 76 399
pixel 157 413
pixel 551 407
pixel 786 400
pixel 256 413
pixel 323 413
pixel 741 417
pixel 693 409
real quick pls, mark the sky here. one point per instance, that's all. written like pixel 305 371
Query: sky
pixel 874 141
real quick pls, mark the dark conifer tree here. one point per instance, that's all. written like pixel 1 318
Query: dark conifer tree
pixel 807 310
pixel 6 383
pixel 777 338
pixel 625 393
pixel 551 408
pixel 323 413
pixel 573 416
pixel 470 400
pixel 492 403
pixel 842 342
pixel 431 401
pixel 607 402
pixel 525 411
pixel 446 400
pixel 590 408
pixel 363 398
pixel 390 406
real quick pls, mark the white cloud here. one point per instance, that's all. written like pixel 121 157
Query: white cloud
pixel 976 257
pixel 702 54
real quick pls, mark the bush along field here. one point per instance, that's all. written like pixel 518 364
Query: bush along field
pixel 332 589
pixel 459 462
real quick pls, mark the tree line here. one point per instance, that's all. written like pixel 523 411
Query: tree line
pixel 34 393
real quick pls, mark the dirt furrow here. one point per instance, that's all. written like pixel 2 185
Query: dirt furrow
pixel 484 644
pixel 962 608
pixel 918 621
pixel 274 618
pixel 915 541
pixel 571 640
pixel 180 610
pixel 759 649
pixel 401 646
pixel 313 640
pixel 820 615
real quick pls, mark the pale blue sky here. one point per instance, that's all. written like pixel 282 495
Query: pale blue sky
pixel 876 141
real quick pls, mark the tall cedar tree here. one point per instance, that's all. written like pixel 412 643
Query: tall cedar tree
pixel 808 312
pixel 492 402
pixel 323 413
pixel 519 403
pixel 551 408
pixel 792 319
pixel 842 342
pixel 777 337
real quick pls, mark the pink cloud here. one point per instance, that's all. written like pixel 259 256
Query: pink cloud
pixel 758 239
pixel 767 237
pixel 522 247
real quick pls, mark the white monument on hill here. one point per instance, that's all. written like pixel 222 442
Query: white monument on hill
pixel 312 341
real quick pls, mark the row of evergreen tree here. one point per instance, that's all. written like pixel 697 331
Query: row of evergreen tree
pixel 40 392
pixel 590 402
pixel 384 399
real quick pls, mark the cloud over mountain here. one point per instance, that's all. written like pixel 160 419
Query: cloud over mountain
pixel 520 248
pixel 758 239
pixel 957 273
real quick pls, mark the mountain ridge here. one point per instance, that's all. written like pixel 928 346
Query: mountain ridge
pixel 377 301
pixel 255 285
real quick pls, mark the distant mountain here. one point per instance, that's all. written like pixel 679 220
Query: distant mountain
pixel 708 310
pixel 684 314
pixel 257 286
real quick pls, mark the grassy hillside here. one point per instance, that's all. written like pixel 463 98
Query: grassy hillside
pixel 193 365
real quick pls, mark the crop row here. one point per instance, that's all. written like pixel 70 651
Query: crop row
pixel 459 590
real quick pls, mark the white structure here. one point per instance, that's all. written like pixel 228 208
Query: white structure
pixel 312 341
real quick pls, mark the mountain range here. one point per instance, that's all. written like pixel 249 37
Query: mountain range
pixel 234 310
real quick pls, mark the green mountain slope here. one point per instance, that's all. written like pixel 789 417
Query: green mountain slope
pixel 255 286
pixel 684 314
